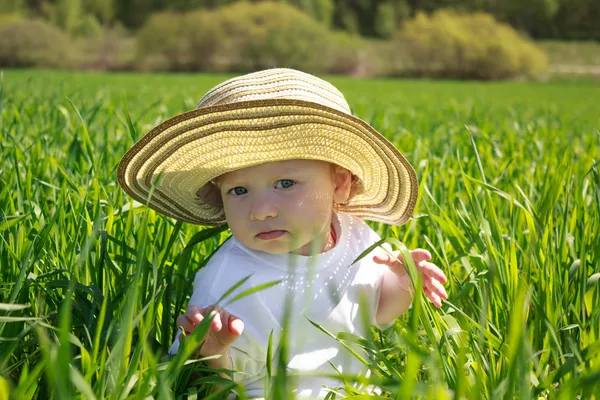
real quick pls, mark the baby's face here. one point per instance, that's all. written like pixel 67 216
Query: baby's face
pixel 281 207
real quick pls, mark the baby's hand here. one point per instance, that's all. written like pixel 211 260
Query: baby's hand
pixel 224 329
pixel 432 277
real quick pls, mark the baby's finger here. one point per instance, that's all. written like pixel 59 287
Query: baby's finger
pixel 419 255
pixel 195 314
pixel 434 298
pixel 391 260
pixel 435 287
pixel 235 327
pixel 433 271
pixel 216 324
pixel 185 323
pixel 382 258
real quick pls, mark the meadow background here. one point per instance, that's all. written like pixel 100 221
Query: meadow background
pixel 459 39
pixel 509 206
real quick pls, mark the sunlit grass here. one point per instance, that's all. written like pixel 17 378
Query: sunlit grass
pixel 91 283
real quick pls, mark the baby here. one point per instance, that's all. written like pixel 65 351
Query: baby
pixel 278 156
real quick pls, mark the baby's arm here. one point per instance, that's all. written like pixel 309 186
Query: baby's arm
pixel 396 286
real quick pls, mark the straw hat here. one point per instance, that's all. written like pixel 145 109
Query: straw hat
pixel 271 115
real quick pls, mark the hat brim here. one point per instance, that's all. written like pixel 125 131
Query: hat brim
pixel 179 156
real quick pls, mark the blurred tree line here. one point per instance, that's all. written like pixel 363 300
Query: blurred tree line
pixel 540 19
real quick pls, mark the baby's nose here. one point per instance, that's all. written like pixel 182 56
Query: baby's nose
pixel 262 209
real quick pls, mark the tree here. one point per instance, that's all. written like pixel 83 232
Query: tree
pixel 385 20
pixel 133 13
pixel 323 11
pixel 103 10
pixel 67 14
pixel 568 19
pixel 529 16
pixel 344 17
pixel 576 19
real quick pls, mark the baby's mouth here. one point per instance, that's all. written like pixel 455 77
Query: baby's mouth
pixel 271 235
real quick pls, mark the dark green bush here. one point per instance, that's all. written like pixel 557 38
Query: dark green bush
pixel 239 37
pixel 347 55
pixel 266 34
pixel 161 43
pixel 109 49
pixel 381 58
pixel 204 35
pixel 476 46
pixel 174 41
pixel 32 43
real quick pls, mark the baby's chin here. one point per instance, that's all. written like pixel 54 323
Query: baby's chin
pixel 273 248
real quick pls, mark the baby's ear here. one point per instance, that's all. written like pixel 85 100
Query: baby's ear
pixel 342 180
pixel 210 194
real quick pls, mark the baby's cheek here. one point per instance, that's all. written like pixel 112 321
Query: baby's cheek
pixel 316 206
pixel 237 230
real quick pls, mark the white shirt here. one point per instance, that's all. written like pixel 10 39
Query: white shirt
pixel 326 288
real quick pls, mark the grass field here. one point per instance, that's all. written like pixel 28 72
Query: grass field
pixel 91 284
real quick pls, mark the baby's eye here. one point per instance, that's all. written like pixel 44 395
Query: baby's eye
pixel 285 183
pixel 238 191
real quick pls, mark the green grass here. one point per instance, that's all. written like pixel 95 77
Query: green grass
pixel 90 284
